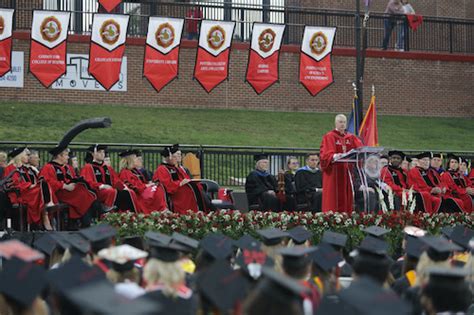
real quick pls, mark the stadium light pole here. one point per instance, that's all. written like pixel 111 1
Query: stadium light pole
pixel 359 81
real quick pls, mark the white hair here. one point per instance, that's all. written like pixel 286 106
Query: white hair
pixel 338 116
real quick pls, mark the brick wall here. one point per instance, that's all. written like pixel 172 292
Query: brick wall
pixel 404 86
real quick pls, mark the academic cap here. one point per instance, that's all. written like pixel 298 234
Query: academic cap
pixel 437 155
pixel 16 151
pixel 373 245
pixel 22 281
pixel 296 256
pixel 158 237
pixel 78 244
pixel 334 238
pixel 461 235
pixel 246 241
pixel 46 243
pixel 99 233
pixel 299 234
pixel 217 246
pixel 186 241
pixel 122 257
pixel 135 241
pixel 126 153
pixel 413 231
pixel 280 286
pixel 453 275
pixel 272 236
pixel 396 152
pixel 326 257
pixel 57 150
pixel 170 252
pixel 439 248
pixel 424 155
pixel 167 151
pixel 252 259
pixel 96 147
pixel 376 231
pixel 415 247
pixel 261 156
pixel 16 249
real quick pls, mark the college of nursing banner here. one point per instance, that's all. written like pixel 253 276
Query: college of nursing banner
pixel 109 5
pixel 315 58
pixel 262 67
pixel 161 62
pixel 6 27
pixel 48 45
pixel 212 60
pixel 109 32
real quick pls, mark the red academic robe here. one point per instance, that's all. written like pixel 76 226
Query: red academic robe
pixel 183 198
pixel 337 187
pixel 97 174
pixel 151 198
pixel 471 178
pixel 422 182
pixel 456 189
pixel 396 178
pixel 80 199
pixel 34 197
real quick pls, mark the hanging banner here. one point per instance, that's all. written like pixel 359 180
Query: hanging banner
pixel 212 61
pixel 315 58
pixel 109 5
pixel 109 32
pixel 262 67
pixel 48 45
pixel 6 27
pixel 160 66
pixel 16 76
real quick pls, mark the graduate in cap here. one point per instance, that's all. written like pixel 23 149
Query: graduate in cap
pixel 325 262
pixel 395 176
pixel 100 236
pixel 337 187
pixel 261 187
pixel 371 260
pixel 338 241
pixel 273 240
pixel 437 163
pixel 457 186
pixel 151 197
pixel 29 189
pixel 179 160
pixel 110 190
pixel 185 195
pixel 309 183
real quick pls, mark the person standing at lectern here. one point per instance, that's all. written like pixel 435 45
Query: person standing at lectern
pixel 337 186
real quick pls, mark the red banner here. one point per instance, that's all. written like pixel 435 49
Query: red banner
pixel 211 70
pixel 262 72
pixel 160 69
pixel 47 65
pixel 109 5
pixel 5 56
pixel 104 65
pixel 315 75
pixel 414 20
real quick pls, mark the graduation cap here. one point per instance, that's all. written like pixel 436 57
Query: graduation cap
pixel 436 155
pixel 78 245
pixel 452 156
pixel 272 236
pixel 445 275
pixel 439 248
pixel 185 241
pixel 122 257
pixel 280 286
pixel 14 248
pixel 57 150
pixel 300 235
pixel 158 237
pixel 46 243
pixel 333 238
pixel 137 152
pixel 60 238
pixel 247 241
pixel 16 151
pixel 373 245
pixel 135 241
pixel 170 252
pixel 99 235
pixel 376 231
pixel 22 281
pixel 101 298
pixel 167 151
pixel 415 247
pixel 396 152
pixel 126 153
pixel 413 231
pixel 75 272
pixel 252 259
pixel 217 246
pixel 261 156
pixel 464 160
pixel 446 231
pixel 223 286
pixel 461 235
pixel 97 147
pixel 424 155
pixel 296 257
pixel 326 257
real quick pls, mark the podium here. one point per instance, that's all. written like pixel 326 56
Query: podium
pixel 358 156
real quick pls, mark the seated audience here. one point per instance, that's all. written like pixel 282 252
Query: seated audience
pixel 261 187
pixel 309 183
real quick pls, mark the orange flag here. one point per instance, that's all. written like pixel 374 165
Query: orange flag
pixel 368 129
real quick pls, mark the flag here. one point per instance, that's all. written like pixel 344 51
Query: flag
pixel 262 67
pixel 368 130
pixel 109 5
pixel 351 124
pixel 6 27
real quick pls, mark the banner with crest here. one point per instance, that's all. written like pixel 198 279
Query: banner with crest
pixel 212 61
pixel 6 31
pixel 109 32
pixel 315 58
pixel 109 5
pixel 48 45
pixel 262 67
pixel 161 62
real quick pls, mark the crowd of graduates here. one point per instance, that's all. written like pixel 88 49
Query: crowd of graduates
pixel 94 271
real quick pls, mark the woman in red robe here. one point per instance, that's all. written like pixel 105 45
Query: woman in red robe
pixel 337 186
pixel 151 197
pixel 457 186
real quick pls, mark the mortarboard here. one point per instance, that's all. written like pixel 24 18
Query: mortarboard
pixel 46 243
pixel 60 238
pixel 57 150
pixel 326 257
pixel 376 231
pixel 126 153
pixel 396 152
pixel 135 241
pixel 299 234
pixel 122 257
pixel 246 241
pixel 258 157
pixel 186 241
pixel 296 256
pixel 167 151
pixel 22 281
pixel 97 147
pixel 165 252
pixel 217 246
pixel 272 236
pixel 446 231
pixel 280 286
pixel 415 247
pixel 373 245
pixel 15 248
pixel 252 259
pixel 436 155
pixel 461 235
pixel 439 248
pixel 99 235
pixel 424 155
pixel 223 286
pixel 413 231
pixel 334 238
pixel 16 151
pixel 158 237
pixel 445 274
pixel 78 245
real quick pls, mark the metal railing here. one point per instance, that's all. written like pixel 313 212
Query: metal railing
pixel 228 165
pixel 435 34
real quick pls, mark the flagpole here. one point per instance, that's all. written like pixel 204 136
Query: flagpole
pixel 359 73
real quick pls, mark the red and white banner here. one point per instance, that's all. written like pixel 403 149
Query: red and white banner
pixel 212 61
pixel 109 32
pixel 6 27
pixel 160 66
pixel 262 68
pixel 109 5
pixel 315 58
pixel 48 45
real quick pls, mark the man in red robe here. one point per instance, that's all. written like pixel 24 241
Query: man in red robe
pixel 457 185
pixel 394 176
pixel 337 187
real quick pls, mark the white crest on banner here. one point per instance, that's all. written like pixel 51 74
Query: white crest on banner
pixel 266 38
pixel 164 34
pixel 216 36
pixel 318 41
pixel 109 30
pixel 6 23
pixel 50 28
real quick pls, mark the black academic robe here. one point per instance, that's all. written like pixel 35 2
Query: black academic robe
pixel 306 184
pixel 290 192
pixel 183 304
pixel 257 187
